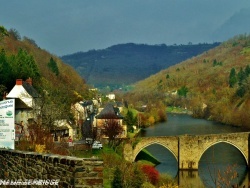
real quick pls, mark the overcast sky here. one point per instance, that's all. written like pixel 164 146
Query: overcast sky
pixel 67 26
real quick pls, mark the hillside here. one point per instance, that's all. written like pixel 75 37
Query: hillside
pixel 214 85
pixel 21 58
pixel 125 64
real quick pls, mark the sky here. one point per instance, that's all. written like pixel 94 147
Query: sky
pixel 64 27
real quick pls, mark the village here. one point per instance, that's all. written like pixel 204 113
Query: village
pixel 89 117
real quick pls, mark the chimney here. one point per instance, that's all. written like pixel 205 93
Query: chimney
pixel 29 81
pixel 19 82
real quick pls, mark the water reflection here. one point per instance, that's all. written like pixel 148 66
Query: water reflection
pixel 221 157
pixel 223 164
pixel 220 164
pixel 168 164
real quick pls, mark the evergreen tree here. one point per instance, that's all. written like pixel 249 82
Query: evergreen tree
pixel 117 181
pixel 247 70
pixel 241 91
pixel 182 91
pixel 232 77
pixel 53 66
pixel 5 71
pixel 241 76
pixel 23 65
pixel 129 120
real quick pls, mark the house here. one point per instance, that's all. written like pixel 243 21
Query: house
pixel 26 98
pixel 109 112
pixel 27 110
pixel 111 96
pixel 83 111
pixel 63 129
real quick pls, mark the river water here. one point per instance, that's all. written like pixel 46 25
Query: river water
pixel 221 164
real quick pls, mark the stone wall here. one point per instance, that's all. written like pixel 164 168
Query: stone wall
pixel 68 171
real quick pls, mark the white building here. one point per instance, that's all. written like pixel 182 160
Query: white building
pixel 25 97
pixel 111 96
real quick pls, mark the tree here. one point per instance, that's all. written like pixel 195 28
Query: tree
pixel 15 34
pixel 241 76
pixel 112 128
pixel 5 70
pixel 31 41
pixel 3 32
pixel 247 70
pixel 3 90
pixel 24 66
pixel 53 66
pixel 129 120
pixel 152 174
pixel 232 77
pixel 183 91
pixel 117 181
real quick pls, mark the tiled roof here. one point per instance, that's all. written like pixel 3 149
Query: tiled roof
pixel 30 89
pixel 109 112
pixel 86 103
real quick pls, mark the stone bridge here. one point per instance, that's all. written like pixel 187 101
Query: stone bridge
pixel 188 149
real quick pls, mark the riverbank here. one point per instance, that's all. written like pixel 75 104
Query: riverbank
pixel 178 110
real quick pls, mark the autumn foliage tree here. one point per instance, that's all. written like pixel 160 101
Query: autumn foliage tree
pixel 152 174
pixel 112 128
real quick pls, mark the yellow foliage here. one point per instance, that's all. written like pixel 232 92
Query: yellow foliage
pixel 169 186
pixel 40 148
pixel 151 120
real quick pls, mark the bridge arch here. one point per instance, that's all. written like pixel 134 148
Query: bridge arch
pixel 228 142
pixel 188 149
pixel 170 143
pixel 149 144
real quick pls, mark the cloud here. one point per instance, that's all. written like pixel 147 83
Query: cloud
pixel 64 27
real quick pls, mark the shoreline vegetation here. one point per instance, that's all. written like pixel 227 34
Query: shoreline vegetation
pixel 145 156
pixel 178 110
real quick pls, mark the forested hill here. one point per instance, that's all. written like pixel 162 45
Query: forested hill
pixel 124 64
pixel 214 85
pixel 21 58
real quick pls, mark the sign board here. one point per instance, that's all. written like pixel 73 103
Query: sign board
pixel 7 124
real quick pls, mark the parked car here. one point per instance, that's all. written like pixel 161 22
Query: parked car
pixel 97 145
pixel 89 140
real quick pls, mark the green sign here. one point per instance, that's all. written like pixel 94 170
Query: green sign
pixel 7 124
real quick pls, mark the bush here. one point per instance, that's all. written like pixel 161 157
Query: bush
pixel 152 174
pixel 117 181
pixel 147 185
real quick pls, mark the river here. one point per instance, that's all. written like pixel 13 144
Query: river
pixel 217 165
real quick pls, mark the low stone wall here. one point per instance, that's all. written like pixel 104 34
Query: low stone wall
pixel 68 171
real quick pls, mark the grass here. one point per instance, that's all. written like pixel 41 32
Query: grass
pixel 91 152
pixel 173 109
pixel 144 155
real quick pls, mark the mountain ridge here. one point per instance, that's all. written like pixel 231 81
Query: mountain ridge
pixel 125 64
